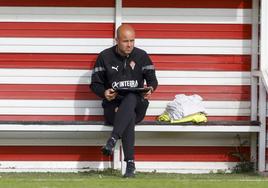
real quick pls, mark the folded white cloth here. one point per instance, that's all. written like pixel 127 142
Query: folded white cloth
pixel 184 105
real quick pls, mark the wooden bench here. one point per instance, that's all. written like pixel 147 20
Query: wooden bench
pixel 33 127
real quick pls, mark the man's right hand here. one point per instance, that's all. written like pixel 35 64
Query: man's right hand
pixel 110 94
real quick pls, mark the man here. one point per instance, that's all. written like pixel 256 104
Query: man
pixel 123 66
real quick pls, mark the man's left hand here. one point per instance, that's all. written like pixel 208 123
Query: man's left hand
pixel 148 93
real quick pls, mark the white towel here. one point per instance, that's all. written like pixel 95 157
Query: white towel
pixel 184 105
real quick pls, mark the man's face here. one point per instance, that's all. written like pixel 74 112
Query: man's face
pixel 125 42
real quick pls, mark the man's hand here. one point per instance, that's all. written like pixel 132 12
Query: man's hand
pixel 149 93
pixel 110 94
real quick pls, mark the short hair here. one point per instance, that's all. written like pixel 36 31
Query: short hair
pixel 127 26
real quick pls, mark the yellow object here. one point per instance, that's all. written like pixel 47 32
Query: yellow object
pixel 164 117
pixel 195 118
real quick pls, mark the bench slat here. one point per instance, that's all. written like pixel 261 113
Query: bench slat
pixel 209 123
pixel 138 128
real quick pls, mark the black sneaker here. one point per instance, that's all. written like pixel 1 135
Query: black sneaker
pixel 109 147
pixel 130 170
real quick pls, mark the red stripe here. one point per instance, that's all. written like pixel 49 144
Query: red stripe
pixel 60 3
pixel 189 4
pixel 59 30
pixel 187 153
pixel 193 31
pixel 106 30
pixel 202 62
pixel 51 153
pixel 161 62
pixel 92 153
pixel 31 60
pixel 101 118
pixel 131 3
pixel 83 92
pixel 50 118
pixel 213 93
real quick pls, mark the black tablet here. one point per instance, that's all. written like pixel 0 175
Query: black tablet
pixel 133 89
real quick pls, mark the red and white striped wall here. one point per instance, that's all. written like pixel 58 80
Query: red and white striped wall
pixel 47 53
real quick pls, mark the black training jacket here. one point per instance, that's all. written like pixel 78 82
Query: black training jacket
pixel 115 71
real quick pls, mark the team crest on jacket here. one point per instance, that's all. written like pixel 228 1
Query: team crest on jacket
pixel 132 64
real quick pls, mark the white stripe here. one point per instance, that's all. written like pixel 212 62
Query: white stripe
pixel 184 167
pixel 185 139
pixel 19 128
pixel 161 81
pixel 56 14
pixel 79 73
pixel 97 104
pixel 41 138
pixel 75 166
pixel 185 15
pixel 53 166
pixel 99 111
pixel 35 128
pixel 93 107
pixel 73 138
pixel 61 76
pixel 140 15
pixel 152 46
pixel 56 45
pixel 194 46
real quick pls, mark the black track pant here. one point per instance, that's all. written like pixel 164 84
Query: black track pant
pixel 131 110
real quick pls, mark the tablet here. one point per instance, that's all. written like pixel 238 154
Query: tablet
pixel 132 89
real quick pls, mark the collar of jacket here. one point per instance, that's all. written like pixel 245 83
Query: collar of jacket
pixel 119 55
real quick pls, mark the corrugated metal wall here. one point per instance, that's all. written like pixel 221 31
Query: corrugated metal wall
pixel 47 53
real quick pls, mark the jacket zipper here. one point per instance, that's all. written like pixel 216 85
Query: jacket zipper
pixel 125 65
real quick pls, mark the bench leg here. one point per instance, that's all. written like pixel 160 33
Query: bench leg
pixel 118 162
pixel 123 164
pixel 253 149
pixel 118 159
pixel 261 153
pixel 116 156
pixel 262 133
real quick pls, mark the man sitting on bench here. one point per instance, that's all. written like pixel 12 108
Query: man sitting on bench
pixel 118 77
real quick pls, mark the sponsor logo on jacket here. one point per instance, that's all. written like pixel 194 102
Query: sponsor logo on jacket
pixel 125 83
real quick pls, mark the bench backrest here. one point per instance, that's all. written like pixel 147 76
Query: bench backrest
pixel 46 60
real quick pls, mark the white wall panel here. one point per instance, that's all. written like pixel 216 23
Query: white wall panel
pixel 152 46
pixel 56 14
pixel 185 15
pixel 60 76
pixel 70 107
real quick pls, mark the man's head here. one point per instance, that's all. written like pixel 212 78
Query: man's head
pixel 125 39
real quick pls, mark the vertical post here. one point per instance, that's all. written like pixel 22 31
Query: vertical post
pixel 263 83
pixel 262 134
pixel 254 78
pixel 118 15
pixel 117 161
pixel 254 58
pixel 264 36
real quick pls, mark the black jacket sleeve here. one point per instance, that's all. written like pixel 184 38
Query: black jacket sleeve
pixel 98 78
pixel 149 72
